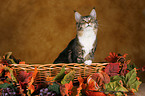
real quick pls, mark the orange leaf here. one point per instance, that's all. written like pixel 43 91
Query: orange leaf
pixel 31 87
pixel 68 86
pixel 79 89
pixel 49 80
pixel 89 93
pixel 80 79
pixel 22 62
pixel 8 75
pixel 2 67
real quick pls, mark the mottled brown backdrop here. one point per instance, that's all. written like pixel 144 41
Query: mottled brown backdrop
pixel 36 31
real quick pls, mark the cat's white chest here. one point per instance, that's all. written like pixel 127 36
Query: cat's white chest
pixel 87 40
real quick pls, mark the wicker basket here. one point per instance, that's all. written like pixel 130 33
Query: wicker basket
pixel 51 70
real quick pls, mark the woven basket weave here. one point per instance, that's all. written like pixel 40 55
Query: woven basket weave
pixel 51 70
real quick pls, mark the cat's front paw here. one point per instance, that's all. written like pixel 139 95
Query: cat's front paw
pixel 88 62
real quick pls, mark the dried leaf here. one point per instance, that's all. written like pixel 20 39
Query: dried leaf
pixel 49 80
pixel 131 81
pixel 30 84
pixel 106 78
pixel 112 69
pixel 89 93
pixel 55 87
pixel 94 81
pixel 68 77
pixel 112 58
pixel 60 76
pixel 11 75
pixel 8 75
pixel 62 90
pixel 68 87
pixel 115 86
pixel 23 76
pixel 80 79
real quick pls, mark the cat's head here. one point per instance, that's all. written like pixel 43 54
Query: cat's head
pixel 83 22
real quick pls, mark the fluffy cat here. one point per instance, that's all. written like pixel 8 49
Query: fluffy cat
pixel 81 49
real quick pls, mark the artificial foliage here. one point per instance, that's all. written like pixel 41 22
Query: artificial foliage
pixel 118 78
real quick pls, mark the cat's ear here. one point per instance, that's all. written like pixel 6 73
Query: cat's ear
pixel 93 13
pixel 77 16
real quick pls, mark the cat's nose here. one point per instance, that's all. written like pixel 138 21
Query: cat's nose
pixel 88 24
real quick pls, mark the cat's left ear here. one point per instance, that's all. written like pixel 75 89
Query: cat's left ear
pixel 77 16
pixel 93 13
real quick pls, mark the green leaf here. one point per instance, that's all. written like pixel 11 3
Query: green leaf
pixel 115 78
pixel 68 77
pixel 55 87
pixel 115 86
pixel 130 78
pixel 131 66
pixel 7 55
pixel 5 85
pixel 11 72
pixel 135 85
pixel 131 82
pixel 60 76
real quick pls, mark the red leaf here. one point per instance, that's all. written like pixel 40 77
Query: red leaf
pixel 143 68
pixel 89 93
pixel 112 58
pixel 106 77
pixel 23 76
pixel 68 87
pixel 8 75
pixel 1 68
pixel 112 69
pixel 81 80
pixel 31 87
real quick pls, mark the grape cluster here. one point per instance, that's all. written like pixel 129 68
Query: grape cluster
pixel 8 92
pixel 46 92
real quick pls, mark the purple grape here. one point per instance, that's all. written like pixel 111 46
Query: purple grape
pixel 46 90
pixel 41 91
pixel 53 94
pixel 41 94
pixel 49 93
pixel 6 94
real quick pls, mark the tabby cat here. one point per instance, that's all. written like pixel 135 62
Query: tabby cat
pixel 81 49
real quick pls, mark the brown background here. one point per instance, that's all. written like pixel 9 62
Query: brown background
pixel 36 31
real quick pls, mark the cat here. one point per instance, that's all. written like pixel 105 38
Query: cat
pixel 81 49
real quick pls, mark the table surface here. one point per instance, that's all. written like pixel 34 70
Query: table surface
pixel 141 90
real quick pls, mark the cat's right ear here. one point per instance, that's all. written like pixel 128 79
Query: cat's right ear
pixel 77 16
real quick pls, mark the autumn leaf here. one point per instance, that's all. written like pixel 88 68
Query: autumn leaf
pixel 2 68
pixel 95 82
pixel 49 80
pixel 23 76
pixel 131 81
pixel 80 79
pixel 68 77
pixel 54 87
pixel 62 90
pixel 89 93
pixel 68 87
pixel 115 86
pixel 60 76
pixel 30 84
pixel 8 74
pixel 79 90
pixel 112 58
pixel 112 69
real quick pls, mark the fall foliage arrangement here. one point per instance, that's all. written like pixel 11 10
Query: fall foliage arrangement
pixel 117 78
